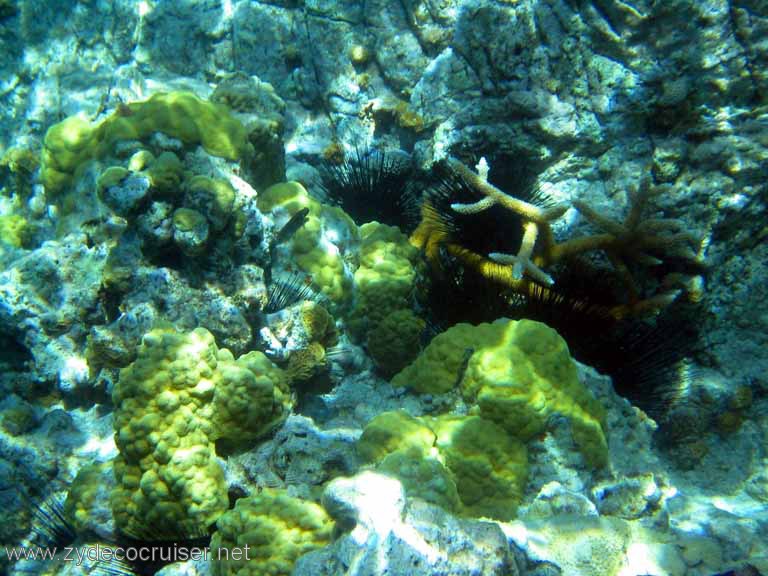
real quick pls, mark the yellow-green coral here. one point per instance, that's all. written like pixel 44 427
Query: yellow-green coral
pixel 489 466
pixel 319 247
pixel 22 163
pixel 215 198
pixel 140 160
pixel 251 396
pixel 465 464
pixel 318 324
pixel 112 176
pixel 182 115
pixel 385 283
pixel 305 362
pixel 66 146
pixel 172 403
pixel 186 219
pixel 319 328
pixel 15 230
pixel 85 498
pixel 274 529
pixel 424 477
pixel 392 431
pixel 441 365
pixel 386 279
pixel 395 341
pixel 166 173
pixel 516 374
pixel 190 231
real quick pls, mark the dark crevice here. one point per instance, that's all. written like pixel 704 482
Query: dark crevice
pixel 743 42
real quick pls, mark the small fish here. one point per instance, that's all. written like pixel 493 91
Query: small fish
pixel 284 234
pixel 746 570
pixel 463 366
pixel 291 227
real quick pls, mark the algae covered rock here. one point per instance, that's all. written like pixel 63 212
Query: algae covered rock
pixel 121 190
pixel 386 534
pixel 174 209
pixel 190 231
pixel 215 198
pixel 250 96
pixel 17 416
pixel 271 530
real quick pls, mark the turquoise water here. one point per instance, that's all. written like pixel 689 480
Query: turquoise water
pixel 259 261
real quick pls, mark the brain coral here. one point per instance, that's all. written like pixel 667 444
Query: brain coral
pixel 465 464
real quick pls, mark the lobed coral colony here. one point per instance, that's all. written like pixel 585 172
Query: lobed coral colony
pixel 334 279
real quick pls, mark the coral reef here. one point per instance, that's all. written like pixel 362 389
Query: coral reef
pixel 151 184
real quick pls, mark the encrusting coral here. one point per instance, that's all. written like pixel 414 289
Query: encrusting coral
pixel 182 115
pixel 649 242
pixel 466 464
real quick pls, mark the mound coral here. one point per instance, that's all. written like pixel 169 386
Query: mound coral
pixel 516 374
pixel 177 398
pixel 182 115
pixel 386 285
pixel 268 532
pixel 465 464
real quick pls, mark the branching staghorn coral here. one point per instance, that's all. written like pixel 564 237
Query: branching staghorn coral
pixel 535 218
pixel 649 242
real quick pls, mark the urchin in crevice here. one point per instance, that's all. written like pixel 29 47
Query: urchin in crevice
pixel 373 185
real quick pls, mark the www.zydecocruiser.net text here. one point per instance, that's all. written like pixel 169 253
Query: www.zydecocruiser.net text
pixel 107 553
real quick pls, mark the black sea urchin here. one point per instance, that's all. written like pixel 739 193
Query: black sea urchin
pixel 373 185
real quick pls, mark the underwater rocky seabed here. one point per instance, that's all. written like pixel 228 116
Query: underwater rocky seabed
pixel 135 203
